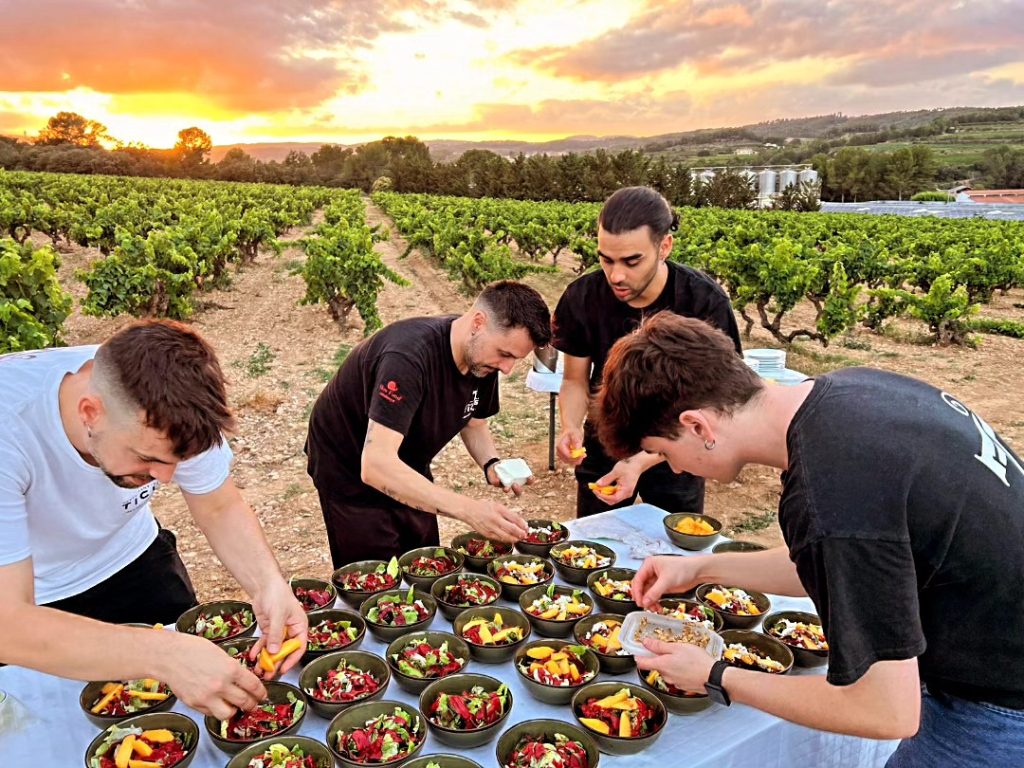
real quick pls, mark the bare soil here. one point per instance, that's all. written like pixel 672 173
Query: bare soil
pixel 272 391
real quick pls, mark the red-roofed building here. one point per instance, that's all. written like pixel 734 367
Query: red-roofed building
pixel 998 196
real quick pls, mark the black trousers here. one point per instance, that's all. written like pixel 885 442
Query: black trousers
pixel 659 485
pixel 358 532
pixel 153 588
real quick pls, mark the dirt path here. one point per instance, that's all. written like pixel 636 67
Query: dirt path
pixel 278 356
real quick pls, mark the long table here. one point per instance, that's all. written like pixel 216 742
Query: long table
pixel 56 733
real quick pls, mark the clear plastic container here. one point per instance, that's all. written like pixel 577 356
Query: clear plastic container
pixel 13 716
pixel 639 625
pixel 513 472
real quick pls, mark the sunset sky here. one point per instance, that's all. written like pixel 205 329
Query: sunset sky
pixel 354 70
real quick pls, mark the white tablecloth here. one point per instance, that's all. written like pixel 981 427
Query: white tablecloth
pixel 733 737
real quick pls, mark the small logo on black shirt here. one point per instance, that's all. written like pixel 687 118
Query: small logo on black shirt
pixel 471 405
pixel 390 392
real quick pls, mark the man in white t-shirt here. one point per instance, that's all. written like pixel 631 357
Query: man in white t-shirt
pixel 87 435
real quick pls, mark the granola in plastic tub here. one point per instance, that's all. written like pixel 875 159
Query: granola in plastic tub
pixel 639 625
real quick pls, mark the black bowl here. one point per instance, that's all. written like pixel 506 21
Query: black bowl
pixel 172 721
pixel 364 660
pixel 512 591
pixel 335 614
pixel 691 541
pixel 318 584
pixel 277 693
pixel 356 597
pixel 804 657
pixel 680 705
pixel 456 684
pixel 476 562
pixel 732 620
pixel 93 692
pixel 687 605
pixel 613 744
pixel 456 646
pixel 610 604
pixel 356 717
pixel 575 575
pixel 316 749
pixel 237 646
pixel 386 633
pixel 442 761
pixel 426 582
pixel 451 610
pixel 187 621
pixel 612 663
pixel 553 627
pixel 492 654
pixel 768 646
pixel 737 546
pixel 554 694
pixel 546 729
pixel 541 550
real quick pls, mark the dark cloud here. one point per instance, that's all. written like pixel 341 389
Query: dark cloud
pixel 246 56
pixel 742 36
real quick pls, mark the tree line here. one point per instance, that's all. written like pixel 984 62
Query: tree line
pixel 71 143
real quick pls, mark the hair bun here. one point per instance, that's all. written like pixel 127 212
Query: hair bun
pixel 674 227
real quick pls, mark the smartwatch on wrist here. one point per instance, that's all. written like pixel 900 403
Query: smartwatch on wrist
pixel 487 465
pixel 714 687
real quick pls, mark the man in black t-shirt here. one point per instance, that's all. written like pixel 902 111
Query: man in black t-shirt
pixel 634 239
pixel 903 516
pixel 396 401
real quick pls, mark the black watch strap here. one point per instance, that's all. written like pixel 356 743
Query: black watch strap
pixel 487 465
pixel 714 687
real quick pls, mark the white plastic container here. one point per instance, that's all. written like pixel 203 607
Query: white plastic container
pixel 639 625
pixel 513 472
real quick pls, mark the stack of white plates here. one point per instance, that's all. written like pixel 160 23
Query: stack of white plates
pixel 770 363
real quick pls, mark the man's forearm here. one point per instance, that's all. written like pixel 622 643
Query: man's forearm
pixel 477 438
pixel 394 478
pixel 644 460
pixel 768 571
pixel 79 648
pixel 573 401
pixel 238 540
pixel 867 708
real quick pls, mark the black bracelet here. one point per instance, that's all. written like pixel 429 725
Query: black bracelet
pixel 487 465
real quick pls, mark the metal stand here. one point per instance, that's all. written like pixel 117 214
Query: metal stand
pixel 551 431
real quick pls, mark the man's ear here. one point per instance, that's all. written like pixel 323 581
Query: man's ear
pixel 665 249
pixel 90 410
pixel 478 322
pixel 696 422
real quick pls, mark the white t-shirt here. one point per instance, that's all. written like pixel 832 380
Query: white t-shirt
pixel 78 527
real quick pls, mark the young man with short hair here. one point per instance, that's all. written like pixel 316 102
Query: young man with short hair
pixel 634 240
pixel 903 517
pixel 396 401
pixel 87 436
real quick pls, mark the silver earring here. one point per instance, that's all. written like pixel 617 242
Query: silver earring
pixel 709 446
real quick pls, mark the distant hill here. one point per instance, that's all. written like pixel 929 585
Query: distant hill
pixel 803 128
pixel 445 150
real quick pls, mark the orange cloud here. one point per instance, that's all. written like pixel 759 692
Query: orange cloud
pixel 246 56
pixel 749 34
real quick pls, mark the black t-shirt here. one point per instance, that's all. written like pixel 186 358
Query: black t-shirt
pixel 405 378
pixel 589 319
pixel 904 514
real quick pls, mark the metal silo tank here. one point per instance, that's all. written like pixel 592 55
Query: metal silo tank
pixel 787 178
pixel 766 183
pixel 808 175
